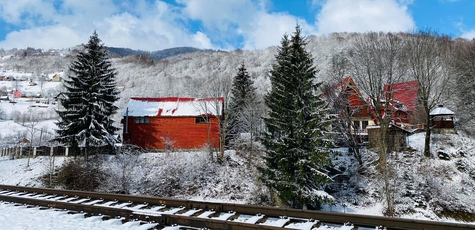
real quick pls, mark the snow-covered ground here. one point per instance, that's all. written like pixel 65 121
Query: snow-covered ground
pixel 43 105
pixel 16 172
pixel 21 217
pixel 197 176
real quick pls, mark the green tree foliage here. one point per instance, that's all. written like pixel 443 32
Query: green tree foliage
pixel 243 103
pixel 296 138
pixel 88 103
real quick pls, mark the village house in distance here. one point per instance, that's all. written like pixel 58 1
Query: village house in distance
pixel 403 103
pixel 172 122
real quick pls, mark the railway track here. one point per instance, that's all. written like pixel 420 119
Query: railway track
pixel 203 215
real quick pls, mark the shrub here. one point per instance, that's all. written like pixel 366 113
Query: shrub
pixel 81 175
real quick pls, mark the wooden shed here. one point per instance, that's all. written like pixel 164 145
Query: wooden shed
pixel 397 137
pixel 172 122
pixel 442 120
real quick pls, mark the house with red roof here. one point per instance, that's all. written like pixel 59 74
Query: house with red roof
pixel 354 112
pixel 357 108
pixel 17 94
pixel 350 103
pixel 172 122
pixel 403 99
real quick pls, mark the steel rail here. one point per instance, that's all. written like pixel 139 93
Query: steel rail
pixel 162 220
pixel 325 217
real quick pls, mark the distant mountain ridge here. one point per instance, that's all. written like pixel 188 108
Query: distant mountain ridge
pixel 155 55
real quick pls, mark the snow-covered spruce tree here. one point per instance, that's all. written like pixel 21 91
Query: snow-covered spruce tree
pixel 243 102
pixel 88 103
pixel 296 140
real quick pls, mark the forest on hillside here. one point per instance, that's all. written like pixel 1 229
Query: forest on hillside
pixel 443 67
pixel 191 74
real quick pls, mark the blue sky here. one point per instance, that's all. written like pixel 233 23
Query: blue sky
pixel 218 24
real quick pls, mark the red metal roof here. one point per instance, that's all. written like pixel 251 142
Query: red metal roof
pixel 173 106
pixel 404 93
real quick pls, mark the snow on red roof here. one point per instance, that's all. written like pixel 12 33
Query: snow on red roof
pixel 404 93
pixel 173 106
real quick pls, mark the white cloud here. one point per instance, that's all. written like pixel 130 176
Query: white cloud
pixel 155 24
pixel 268 29
pixel 202 40
pixel 220 15
pixel 363 16
pixel 469 34
pixel 147 33
pixel 144 25
pixel 227 20
pixel 43 37
pixel 28 12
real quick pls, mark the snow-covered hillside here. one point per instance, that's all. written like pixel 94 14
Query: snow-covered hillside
pixel 431 189
pixel 423 188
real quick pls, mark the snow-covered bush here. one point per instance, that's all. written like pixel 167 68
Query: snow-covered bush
pixel 77 174
pixel 124 170
pixel 251 150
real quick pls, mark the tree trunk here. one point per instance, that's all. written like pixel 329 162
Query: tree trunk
pixel 428 132
pixel 357 153
pixel 383 161
pixel 427 152
pixel 86 149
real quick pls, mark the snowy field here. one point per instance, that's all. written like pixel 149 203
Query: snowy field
pixel 43 107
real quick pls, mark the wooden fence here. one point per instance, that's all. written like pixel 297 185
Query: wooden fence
pixel 24 151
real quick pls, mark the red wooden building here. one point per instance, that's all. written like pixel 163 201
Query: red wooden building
pixel 356 107
pixel 348 100
pixel 403 101
pixel 17 94
pixel 172 122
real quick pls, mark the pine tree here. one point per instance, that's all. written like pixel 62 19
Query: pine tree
pixel 295 140
pixel 88 104
pixel 242 105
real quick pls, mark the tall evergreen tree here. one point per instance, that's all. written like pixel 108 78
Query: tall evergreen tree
pixel 242 107
pixel 295 140
pixel 88 105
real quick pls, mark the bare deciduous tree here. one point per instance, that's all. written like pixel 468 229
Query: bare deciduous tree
pixel 30 121
pixel 427 55
pixel 463 67
pixel 219 87
pixel 125 168
pixel 338 95
pixel 376 62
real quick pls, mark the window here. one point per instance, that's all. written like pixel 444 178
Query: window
pixel 142 120
pixel 200 120
pixel 364 124
pixel 356 124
